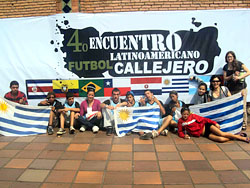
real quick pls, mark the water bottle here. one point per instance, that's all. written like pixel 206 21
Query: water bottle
pixel 241 73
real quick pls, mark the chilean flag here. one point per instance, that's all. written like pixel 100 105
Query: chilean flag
pixel 123 84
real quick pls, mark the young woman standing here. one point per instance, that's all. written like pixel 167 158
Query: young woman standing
pixel 234 73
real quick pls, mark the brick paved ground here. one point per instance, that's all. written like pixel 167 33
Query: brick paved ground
pixel 98 161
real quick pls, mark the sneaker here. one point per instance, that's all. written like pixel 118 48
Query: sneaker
pixel 61 131
pixel 109 131
pixel 128 133
pixel 50 130
pixel 146 136
pixel 154 134
pixel 72 130
pixel 164 132
pixel 95 129
pixel 83 128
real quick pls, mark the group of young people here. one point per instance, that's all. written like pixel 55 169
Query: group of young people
pixel 91 112
pixel 234 74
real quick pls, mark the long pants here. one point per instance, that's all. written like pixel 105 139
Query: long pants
pixel 94 121
pixel 108 117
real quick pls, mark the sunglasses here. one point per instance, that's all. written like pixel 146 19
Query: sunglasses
pixel 214 81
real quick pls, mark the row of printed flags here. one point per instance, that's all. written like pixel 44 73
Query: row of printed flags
pixel 23 120
pixel 38 89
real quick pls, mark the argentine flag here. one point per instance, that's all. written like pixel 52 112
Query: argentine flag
pixel 136 119
pixel 227 112
pixel 22 120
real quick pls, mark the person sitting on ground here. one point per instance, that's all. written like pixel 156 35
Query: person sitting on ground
pixel 201 96
pixel 15 95
pixel 173 110
pixel 90 112
pixel 108 107
pixel 130 100
pixel 56 109
pixel 194 125
pixel 217 91
pixel 151 100
pixel 174 102
pixel 71 107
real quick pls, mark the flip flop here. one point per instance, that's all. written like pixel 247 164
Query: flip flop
pixel 242 134
pixel 146 136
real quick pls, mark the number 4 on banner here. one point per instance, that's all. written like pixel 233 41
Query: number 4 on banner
pixel 76 44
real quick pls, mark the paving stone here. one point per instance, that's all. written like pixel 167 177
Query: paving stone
pixel 31 175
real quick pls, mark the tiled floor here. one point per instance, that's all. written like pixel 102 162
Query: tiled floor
pixel 97 161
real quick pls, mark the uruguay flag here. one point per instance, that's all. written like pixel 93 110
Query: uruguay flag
pixel 22 120
pixel 227 112
pixel 136 119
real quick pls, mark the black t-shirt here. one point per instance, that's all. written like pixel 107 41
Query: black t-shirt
pixel 234 86
pixel 168 107
pixel 57 104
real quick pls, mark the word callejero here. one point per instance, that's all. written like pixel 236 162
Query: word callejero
pixel 160 67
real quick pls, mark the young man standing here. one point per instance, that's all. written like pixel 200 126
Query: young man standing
pixel 108 107
pixel 71 107
pixel 15 95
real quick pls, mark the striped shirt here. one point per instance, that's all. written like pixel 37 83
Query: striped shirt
pixel 16 99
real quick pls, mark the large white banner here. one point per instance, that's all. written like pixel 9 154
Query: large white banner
pixel 132 51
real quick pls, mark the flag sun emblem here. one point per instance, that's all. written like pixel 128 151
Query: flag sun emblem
pixel 166 82
pixel 3 106
pixel 124 114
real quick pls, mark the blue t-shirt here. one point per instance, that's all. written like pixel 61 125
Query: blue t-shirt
pixel 161 119
pixel 136 104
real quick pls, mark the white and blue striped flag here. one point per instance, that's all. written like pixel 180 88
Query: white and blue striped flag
pixel 22 120
pixel 227 112
pixel 179 84
pixel 136 119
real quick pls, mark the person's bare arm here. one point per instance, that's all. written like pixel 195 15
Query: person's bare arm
pixel 162 109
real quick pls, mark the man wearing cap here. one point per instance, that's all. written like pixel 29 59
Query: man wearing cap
pixel 174 103
pixel 107 109
pixel 15 95
pixel 56 109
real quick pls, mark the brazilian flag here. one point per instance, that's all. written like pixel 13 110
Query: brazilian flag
pixel 96 84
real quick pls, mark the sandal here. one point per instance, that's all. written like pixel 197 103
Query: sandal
pixel 146 136
pixel 242 134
